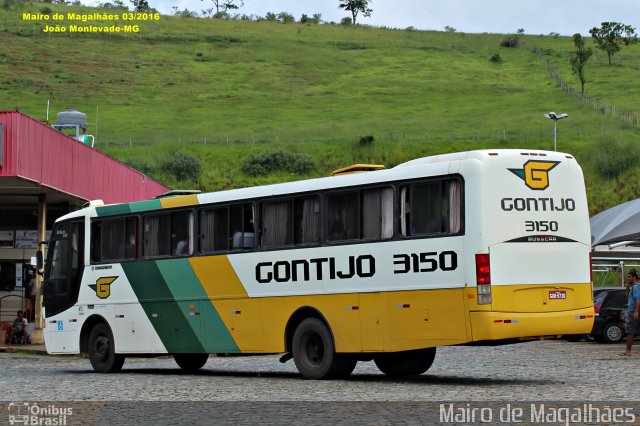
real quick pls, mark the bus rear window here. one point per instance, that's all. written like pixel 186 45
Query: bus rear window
pixel 431 208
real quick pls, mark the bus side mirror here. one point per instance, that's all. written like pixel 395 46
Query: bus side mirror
pixel 39 262
pixel 40 259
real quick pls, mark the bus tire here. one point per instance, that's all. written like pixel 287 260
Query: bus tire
pixel 102 350
pixel 314 352
pixel 344 366
pixel 191 362
pixel 405 363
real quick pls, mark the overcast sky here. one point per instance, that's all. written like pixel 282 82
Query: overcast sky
pixel 566 17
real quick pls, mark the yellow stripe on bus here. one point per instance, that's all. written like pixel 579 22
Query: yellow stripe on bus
pixel 359 322
pixel 217 277
pixel 179 201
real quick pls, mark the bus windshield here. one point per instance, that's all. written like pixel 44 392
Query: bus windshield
pixel 64 265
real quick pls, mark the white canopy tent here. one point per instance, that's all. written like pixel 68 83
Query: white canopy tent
pixel 617 227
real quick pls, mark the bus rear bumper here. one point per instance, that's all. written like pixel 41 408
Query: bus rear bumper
pixel 490 325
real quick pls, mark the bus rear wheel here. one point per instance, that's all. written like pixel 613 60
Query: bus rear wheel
pixel 406 363
pixel 314 352
pixel 191 362
pixel 102 350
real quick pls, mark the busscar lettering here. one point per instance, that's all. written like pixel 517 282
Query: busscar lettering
pixel 542 239
pixel 537 204
pixel 363 266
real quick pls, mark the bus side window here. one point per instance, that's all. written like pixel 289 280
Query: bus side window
pixel 241 231
pixel 307 220
pixel 277 223
pixel 377 214
pixel 181 232
pixel 405 211
pixel 214 227
pixel 157 235
pixel 455 206
pixel 168 234
pixel 131 238
pixel 431 208
pixel 226 228
pixel 248 227
pixel 77 251
pixel 343 216
pixel 114 240
pixel 96 242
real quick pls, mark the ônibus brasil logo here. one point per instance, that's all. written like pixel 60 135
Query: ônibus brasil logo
pixel 535 173
pixel 102 287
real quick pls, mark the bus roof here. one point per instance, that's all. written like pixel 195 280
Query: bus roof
pixel 437 165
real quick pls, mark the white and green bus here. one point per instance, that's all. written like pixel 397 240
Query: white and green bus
pixel 474 247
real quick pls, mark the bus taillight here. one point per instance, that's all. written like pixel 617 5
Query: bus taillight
pixel 483 279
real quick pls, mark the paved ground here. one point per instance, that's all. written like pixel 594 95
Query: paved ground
pixel 552 371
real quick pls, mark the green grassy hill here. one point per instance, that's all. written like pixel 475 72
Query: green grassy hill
pixel 223 90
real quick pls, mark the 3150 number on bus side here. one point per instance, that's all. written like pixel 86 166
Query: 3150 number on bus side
pixel 425 262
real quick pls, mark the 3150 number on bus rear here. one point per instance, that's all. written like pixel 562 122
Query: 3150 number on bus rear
pixel 541 226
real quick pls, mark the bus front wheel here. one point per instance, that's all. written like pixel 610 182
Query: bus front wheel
pixel 102 350
pixel 191 362
pixel 406 363
pixel 314 352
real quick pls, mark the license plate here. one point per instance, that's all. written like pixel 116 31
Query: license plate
pixel 557 294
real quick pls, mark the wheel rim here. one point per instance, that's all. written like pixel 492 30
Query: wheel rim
pixel 314 349
pixel 614 333
pixel 102 348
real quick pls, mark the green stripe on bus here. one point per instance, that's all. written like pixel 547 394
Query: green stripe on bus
pixel 174 328
pixel 144 206
pixel 113 210
pixel 187 290
pixel 141 206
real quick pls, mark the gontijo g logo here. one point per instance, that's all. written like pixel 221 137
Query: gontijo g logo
pixel 535 173
pixel 102 287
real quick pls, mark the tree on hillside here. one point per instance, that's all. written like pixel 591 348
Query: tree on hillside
pixel 186 13
pixel 140 5
pixel 223 6
pixel 356 7
pixel 611 35
pixel 286 18
pixel 580 58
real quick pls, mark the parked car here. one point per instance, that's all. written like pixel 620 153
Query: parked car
pixel 606 328
pixel 610 307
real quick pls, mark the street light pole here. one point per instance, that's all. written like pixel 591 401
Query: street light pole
pixel 555 117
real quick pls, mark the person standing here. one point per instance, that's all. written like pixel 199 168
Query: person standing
pixel 632 325
pixel 31 301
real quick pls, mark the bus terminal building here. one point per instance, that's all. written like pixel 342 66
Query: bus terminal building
pixel 45 174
